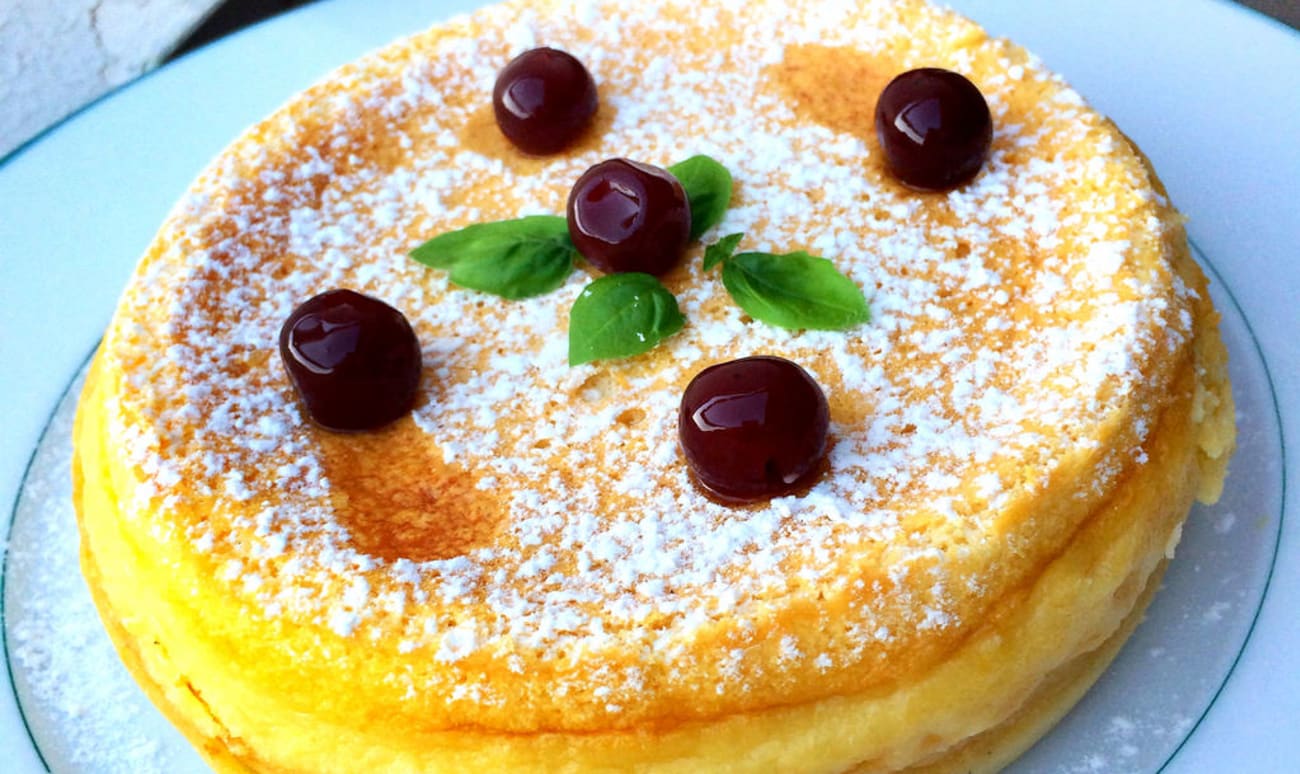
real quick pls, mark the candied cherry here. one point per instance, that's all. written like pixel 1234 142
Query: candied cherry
pixel 627 216
pixel 935 128
pixel 753 428
pixel 543 100
pixel 353 359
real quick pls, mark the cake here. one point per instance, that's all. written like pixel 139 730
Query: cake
pixel 521 573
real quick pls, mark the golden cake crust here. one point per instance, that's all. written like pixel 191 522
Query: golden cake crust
pixel 525 554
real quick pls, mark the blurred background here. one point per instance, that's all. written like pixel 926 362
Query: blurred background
pixel 57 56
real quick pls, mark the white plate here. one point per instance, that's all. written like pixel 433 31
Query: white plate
pixel 1211 93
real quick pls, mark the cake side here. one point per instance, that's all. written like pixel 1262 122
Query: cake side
pixel 1032 647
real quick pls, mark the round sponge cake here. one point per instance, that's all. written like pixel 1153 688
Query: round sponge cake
pixel 520 574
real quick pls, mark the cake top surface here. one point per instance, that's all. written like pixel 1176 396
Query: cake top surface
pixel 539 517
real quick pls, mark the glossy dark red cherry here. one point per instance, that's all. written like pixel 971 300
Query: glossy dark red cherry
pixel 628 216
pixel 543 100
pixel 935 128
pixel 353 359
pixel 753 428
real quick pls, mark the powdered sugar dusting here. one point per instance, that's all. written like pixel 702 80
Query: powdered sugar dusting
pixel 987 327
pixel 66 671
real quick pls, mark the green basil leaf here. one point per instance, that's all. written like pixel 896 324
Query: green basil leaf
pixel 621 315
pixel 721 250
pixel 509 258
pixel 796 290
pixel 708 191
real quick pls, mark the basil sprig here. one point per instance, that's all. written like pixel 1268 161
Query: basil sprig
pixel 795 290
pixel 708 191
pixel 509 258
pixel 621 315
pixel 531 256
pixel 721 250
